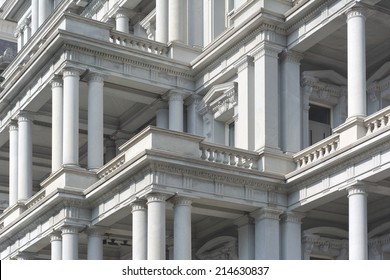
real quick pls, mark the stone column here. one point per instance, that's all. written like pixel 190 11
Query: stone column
pixel 44 11
pixel 95 244
pixel 194 119
pixel 290 228
pixel 56 246
pixel 176 111
pixel 290 102
pixel 246 238
pixel 156 226
pixel 162 115
pixel 95 122
pixel 195 23
pixel 26 30
pixel 71 117
pixel 306 91
pixel 358 246
pixel 70 240
pixel 57 129
pixel 25 156
pixel 245 120
pixel 19 35
pixel 182 228
pixel 162 21
pixel 139 230
pixel 34 15
pixel 356 62
pixel 266 100
pixel 267 237
pixel 177 21
pixel 122 21
pixel 13 163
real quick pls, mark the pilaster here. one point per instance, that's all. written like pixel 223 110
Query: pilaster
pixel 13 163
pixel 267 238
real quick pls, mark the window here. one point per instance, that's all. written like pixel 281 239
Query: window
pixel 231 130
pixel 319 123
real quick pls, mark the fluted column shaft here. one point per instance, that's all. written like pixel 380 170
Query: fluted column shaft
pixel 56 246
pixel 13 163
pixel 71 117
pixel 182 229
pixel 156 226
pixel 176 111
pixel 358 246
pixel 140 229
pixel 70 240
pixel 356 62
pixel 95 122
pixel 25 156
pixel 57 129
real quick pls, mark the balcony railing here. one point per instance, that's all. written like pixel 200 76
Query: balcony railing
pixel 377 121
pixel 317 151
pixel 139 43
pixel 229 156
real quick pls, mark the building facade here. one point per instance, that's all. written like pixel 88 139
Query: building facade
pixel 188 129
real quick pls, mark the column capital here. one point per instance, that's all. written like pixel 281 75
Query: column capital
pixel 13 125
pixel 266 213
pixel 193 99
pixel 24 116
pixel 357 189
pixel 95 77
pixel 55 236
pixel 156 197
pixel 357 11
pixel 291 56
pixel 97 231
pixel 56 82
pixel 266 49
pixel 243 221
pixel 243 63
pixel 139 205
pixel 69 230
pixel 71 71
pixel 292 217
pixel 181 201
pixel 175 95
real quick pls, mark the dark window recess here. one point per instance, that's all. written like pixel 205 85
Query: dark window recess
pixel 319 114
pixel 231 134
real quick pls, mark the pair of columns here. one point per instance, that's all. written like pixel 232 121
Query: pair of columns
pixel 149 238
pixel 64 244
pixel 65 120
pixel 40 10
pixel 20 158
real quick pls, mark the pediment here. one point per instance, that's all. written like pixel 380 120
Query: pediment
pixel 219 97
